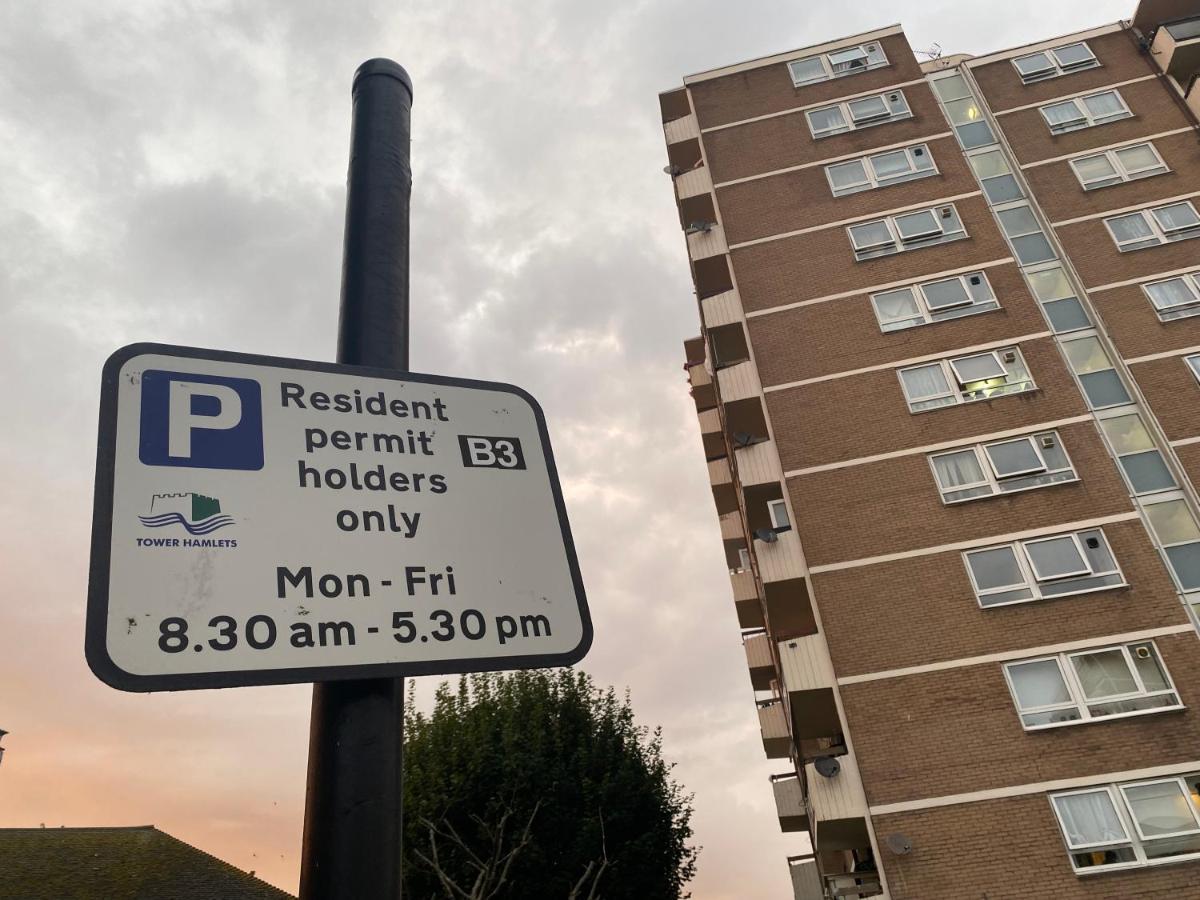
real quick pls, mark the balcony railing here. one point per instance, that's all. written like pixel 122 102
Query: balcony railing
pixel 789 803
pixel 1176 48
pixel 759 660
pixel 694 182
pixel 853 886
pixel 806 880
pixel 738 382
pixel 773 726
pixel 682 129
pixel 721 309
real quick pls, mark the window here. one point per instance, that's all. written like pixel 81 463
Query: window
pixel 963 112
pixel 964 379
pixel 1175 298
pixel 1084 112
pixel 994 174
pixel 1139 458
pixel 1133 824
pixel 1151 227
pixel 1028 240
pixel 1052 63
pixel 1041 568
pixel 860 113
pixel 1053 290
pixel 1193 363
pixel 1099 170
pixel 846 61
pixel 1175 527
pixel 1101 383
pixel 880 170
pixel 1093 684
pixel 777 510
pixel 906 231
pixel 1001 467
pixel 934 301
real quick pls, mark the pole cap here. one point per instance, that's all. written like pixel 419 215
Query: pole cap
pixel 382 66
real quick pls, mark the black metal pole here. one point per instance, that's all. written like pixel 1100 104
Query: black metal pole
pixel 353 809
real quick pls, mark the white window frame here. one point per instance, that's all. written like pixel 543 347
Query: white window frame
pixel 992 480
pixel 1079 700
pixel 1182 787
pixel 1123 173
pixel 1056 69
pixel 1013 238
pixel 1032 582
pixel 1191 281
pixel 1164 545
pixel 850 123
pixel 958 392
pixel 1088 120
pixel 899 244
pixel 774 509
pixel 1161 235
pixel 1133 840
pixel 1193 363
pixel 828 66
pixel 928 314
pixel 873 180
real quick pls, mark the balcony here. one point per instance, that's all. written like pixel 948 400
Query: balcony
pixel 1193 98
pixel 789 802
pixel 777 743
pixel 674 104
pixel 1176 48
pixel 854 886
pixel 746 601
pixel 711 275
pixel 693 183
pixel 738 382
pixel 704 393
pixel 808 680
pixel 705 238
pixel 789 608
pixel 838 807
pixel 758 464
pixel 731 527
pixel 681 129
pixel 720 478
pixel 759 661
pixel 806 880
pixel 782 559
pixel 721 309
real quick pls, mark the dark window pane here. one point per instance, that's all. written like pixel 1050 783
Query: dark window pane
pixel 1104 388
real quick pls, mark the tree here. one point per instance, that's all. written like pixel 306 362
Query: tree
pixel 536 785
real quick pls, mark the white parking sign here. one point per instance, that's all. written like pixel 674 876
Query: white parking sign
pixel 263 520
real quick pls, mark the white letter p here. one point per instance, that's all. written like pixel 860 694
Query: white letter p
pixel 182 420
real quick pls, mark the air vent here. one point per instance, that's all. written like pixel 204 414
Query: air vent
pixel 1047 440
pixel 1142 652
pixel 976 280
pixel 1093 543
pixel 1010 356
pixel 920 151
pixel 946 211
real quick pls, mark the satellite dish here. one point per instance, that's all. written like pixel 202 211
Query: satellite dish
pixel 766 535
pixel 827 766
pixel 899 844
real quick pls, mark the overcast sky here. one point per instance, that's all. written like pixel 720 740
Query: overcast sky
pixel 174 172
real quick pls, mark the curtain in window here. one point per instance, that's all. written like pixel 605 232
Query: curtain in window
pixel 1160 808
pixel 925 381
pixel 1104 105
pixel 1166 294
pixel 1179 215
pixel 1062 113
pixel 1130 228
pixel 1039 684
pixel 1090 819
pixel 956 469
pixel 896 305
pixel 1104 674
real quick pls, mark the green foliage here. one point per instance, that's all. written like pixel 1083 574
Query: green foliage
pixel 550 746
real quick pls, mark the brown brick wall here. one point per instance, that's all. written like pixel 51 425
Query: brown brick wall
pixel 1119 61
pixel 838 511
pixel 822 263
pixel 861 415
pixel 769 89
pixel 1134 326
pixel 957 730
pixel 1062 197
pixel 843 335
pixel 803 199
pixel 1189 458
pixel 1173 394
pixel 920 610
pixel 782 141
pixel 1153 111
pixel 1009 849
pixel 1091 248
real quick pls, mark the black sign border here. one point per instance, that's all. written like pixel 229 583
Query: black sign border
pixel 95 643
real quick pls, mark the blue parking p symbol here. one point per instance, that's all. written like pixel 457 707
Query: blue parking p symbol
pixel 200 421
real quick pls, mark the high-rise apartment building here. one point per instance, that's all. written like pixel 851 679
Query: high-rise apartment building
pixel 948 387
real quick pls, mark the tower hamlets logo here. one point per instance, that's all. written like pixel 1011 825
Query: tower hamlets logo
pixel 195 512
